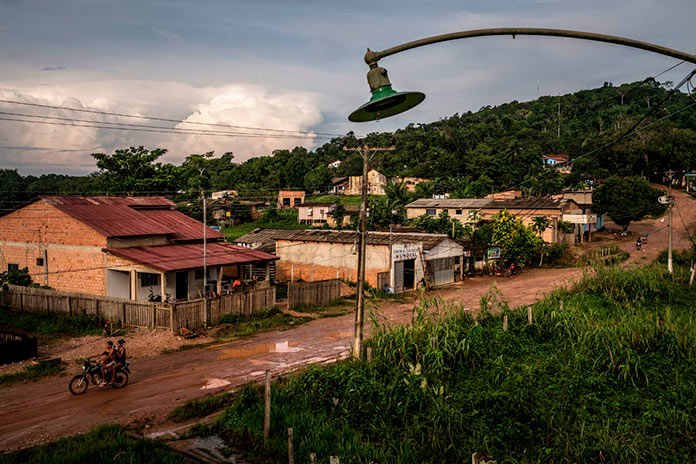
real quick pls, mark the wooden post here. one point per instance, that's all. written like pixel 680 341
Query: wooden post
pixel 154 315
pixel 333 460
pixel 505 323
pixel 123 314
pixel 312 458
pixel 267 411
pixel 171 317
pixel 529 314
pixel 369 354
pixel 291 456
pixel 69 306
pixel 21 302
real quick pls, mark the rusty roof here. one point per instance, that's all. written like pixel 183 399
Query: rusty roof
pixel 268 236
pixel 180 257
pixel 131 216
pixel 491 203
pixel 264 239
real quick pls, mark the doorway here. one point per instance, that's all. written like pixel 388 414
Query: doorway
pixel 182 285
pixel 409 273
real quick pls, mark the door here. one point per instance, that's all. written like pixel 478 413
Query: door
pixel 182 285
pixel 409 273
pixel 398 276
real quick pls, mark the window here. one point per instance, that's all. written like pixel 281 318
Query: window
pixel 39 262
pixel 458 212
pixel 430 212
pixel 12 267
pixel 321 212
pixel 286 202
pixel 149 280
pixel 298 201
pixel 198 274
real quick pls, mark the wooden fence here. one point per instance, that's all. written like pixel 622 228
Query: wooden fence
pixel 174 316
pixel 320 292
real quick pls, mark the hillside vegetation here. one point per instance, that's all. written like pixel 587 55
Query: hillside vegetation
pixel 604 374
pixel 469 154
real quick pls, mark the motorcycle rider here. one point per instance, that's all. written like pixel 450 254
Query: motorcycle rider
pixel 106 360
pixel 119 358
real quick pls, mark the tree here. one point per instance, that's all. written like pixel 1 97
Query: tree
pixel 539 225
pixel 131 171
pixel 15 277
pixel 443 224
pixel 626 199
pixel 517 242
pixel 318 179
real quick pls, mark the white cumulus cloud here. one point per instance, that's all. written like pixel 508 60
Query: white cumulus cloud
pixel 253 107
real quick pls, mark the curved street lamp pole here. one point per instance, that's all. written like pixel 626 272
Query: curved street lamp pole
pixel 386 102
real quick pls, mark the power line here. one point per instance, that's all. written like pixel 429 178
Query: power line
pixel 99 125
pixel 186 131
pixel 153 118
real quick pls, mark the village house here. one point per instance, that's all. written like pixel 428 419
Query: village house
pixel 290 198
pixel 396 261
pixel 222 194
pixel 588 221
pixel 125 247
pixel 411 182
pixel 236 211
pixel 338 186
pixel 506 195
pixel 561 162
pixel 314 214
pixel 334 164
pixel 470 210
pixel 375 184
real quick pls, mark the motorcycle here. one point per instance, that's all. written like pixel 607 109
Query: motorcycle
pixel 91 371
pixel 511 270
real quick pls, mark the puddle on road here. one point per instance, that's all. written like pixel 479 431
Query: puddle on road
pixel 214 383
pixel 282 347
pixel 337 335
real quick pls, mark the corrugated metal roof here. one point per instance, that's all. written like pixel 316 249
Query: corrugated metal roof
pixel 267 236
pixel 131 216
pixel 190 256
pixel 490 203
pixel 264 239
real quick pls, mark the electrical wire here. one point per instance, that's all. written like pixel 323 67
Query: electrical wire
pixel 153 118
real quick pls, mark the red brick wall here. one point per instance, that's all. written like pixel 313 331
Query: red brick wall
pixel 75 260
pixel 314 272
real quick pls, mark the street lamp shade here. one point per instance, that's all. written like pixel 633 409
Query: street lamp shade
pixel 386 102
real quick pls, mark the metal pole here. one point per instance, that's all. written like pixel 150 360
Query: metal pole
pixel 372 57
pixel 205 263
pixel 670 268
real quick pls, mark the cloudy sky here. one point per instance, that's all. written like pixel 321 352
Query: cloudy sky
pixel 290 65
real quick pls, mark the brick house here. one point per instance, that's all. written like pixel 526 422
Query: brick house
pixel 118 246
pixel 314 214
pixel 397 261
pixel 290 198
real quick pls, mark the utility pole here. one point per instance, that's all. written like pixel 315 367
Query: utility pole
pixel 366 151
pixel 670 176
pixel 205 254
pixel 559 116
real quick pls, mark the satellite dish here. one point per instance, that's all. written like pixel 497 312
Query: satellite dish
pixel 663 200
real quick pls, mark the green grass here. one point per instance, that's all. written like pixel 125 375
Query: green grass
pixel 33 372
pixel 352 200
pixel 49 326
pixel 285 219
pixel 200 407
pixel 605 374
pixel 106 444
pixel 268 319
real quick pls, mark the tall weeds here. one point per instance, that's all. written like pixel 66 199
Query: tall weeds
pixel 605 374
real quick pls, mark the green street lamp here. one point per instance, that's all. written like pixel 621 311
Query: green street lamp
pixel 386 102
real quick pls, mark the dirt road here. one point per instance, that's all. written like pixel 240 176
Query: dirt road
pixel 41 411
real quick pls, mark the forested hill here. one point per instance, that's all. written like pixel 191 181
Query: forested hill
pixel 470 154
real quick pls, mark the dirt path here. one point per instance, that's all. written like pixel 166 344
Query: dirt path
pixel 42 411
